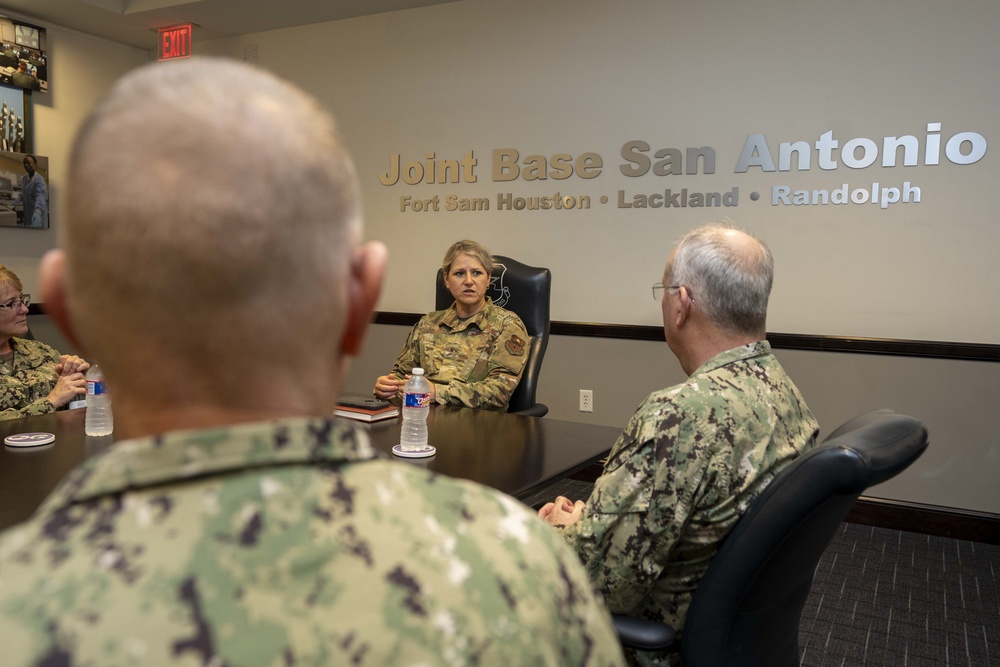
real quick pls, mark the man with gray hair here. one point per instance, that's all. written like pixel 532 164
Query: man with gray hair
pixel 222 285
pixel 695 455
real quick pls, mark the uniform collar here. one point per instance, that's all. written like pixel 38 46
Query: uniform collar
pixel 22 347
pixel 453 322
pixel 741 353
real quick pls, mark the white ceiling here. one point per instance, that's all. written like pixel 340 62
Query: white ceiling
pixel 135 22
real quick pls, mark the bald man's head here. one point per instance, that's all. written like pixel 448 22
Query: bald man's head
pixel 214 211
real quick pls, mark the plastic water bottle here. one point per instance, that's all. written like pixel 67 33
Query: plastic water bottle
pixel 416 406
pixel 99 419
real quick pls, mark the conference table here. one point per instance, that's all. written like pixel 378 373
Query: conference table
pixel 515 454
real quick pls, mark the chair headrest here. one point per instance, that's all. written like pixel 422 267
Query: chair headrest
pixel 886 442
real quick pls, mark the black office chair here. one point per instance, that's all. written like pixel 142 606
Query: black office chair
pixel 525 290
pixel 747 608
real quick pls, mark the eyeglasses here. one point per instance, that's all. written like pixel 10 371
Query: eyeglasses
pixel 12 304
pixel 659 287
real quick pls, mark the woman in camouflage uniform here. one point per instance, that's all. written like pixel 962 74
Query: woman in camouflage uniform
pixel 34 379
pixel 473 352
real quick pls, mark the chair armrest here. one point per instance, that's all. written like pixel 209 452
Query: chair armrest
pixel 641 634
pixel 536 410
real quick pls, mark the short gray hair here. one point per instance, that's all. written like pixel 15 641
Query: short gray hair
pixel 728 274
pixel 205 195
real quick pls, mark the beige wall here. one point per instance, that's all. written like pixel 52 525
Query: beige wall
pixel 587 75
pixel 82 68
pixel 569 76
pixel 575 76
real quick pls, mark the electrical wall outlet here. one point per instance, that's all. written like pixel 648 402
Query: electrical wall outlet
pixel 586 400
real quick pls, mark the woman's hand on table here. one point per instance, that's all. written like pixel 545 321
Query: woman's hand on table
pixel 67 388
pixel 388 387
pixel 70 364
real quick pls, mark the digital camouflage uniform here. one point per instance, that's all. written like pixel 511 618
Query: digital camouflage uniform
pixel 23 390
pixel 476 363
pixel 687 466
pixel 287 543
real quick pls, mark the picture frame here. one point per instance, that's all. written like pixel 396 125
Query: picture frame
pixel 24 195
pixel 24 58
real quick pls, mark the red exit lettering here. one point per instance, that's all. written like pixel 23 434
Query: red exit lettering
pixel 175 42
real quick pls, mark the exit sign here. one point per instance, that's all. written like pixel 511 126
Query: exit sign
pixel 175 42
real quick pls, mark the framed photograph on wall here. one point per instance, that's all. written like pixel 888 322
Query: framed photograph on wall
pixel 15 120
pixel 24 59
pixel 24 190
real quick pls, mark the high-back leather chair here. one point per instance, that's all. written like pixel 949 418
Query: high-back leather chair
pixel 525 290
pixel 747 607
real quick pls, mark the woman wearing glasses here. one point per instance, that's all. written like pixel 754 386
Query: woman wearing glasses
pixel 34 379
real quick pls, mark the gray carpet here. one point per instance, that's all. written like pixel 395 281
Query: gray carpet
pixel 888 597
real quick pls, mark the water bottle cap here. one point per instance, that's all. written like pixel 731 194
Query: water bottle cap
pixel 417 371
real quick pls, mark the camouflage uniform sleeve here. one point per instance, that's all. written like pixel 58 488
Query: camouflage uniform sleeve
pixel 504 367
pixel 409 356
pixel 627 530
pixel 39 407
pixel 24 393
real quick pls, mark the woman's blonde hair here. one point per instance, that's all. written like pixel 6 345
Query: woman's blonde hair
pixel 8 277
pixel 467 247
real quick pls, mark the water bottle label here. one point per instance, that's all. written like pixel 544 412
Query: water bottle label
pixel 95 388
pixel 416 400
